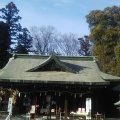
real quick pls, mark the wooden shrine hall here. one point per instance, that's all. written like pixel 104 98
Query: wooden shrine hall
pixel 60 84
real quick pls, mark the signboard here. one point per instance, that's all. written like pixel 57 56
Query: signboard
pixel 32 109
pixel 10 105
pixel 88 107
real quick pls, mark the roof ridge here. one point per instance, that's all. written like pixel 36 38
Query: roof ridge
pixel 59 56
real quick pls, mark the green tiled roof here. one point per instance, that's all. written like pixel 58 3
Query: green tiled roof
pixel 76 70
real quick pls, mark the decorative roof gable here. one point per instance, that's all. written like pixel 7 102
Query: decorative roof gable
pixel 52 64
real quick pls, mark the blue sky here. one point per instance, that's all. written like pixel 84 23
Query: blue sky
pixel 67 16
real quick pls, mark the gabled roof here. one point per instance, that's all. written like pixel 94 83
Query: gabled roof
pixel 66 70
pixel 52 64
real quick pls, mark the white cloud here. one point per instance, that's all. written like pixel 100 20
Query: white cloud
pixel 58 4
pixel 66 1
pixel 61 2
pixel 44 8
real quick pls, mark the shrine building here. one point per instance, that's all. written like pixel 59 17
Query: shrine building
pixel 65 82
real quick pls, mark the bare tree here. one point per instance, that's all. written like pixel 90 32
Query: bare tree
pixel 69 44
pixel 44 39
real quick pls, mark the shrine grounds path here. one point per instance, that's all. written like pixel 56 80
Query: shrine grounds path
pixel 22 117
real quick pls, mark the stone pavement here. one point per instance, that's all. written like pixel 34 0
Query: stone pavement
pixel 20 117
pixel 23 117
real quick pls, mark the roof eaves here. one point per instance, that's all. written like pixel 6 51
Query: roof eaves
pixel 53 82
pixel 110 78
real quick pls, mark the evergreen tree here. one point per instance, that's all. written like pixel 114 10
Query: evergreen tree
pixel 105 34
pixel 117 57
pixel 11 17
pixel 24 42
pixel 4 44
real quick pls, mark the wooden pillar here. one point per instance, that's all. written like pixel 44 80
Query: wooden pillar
pixel 66 108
